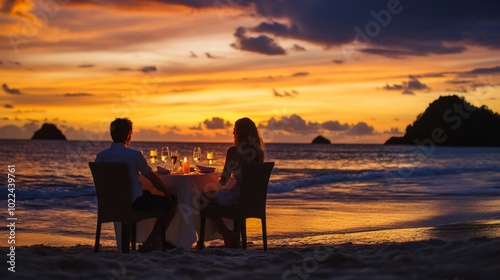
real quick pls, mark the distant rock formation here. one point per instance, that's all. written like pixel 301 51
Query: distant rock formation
pixel 48 132
pixel 321 140
pixel 452 121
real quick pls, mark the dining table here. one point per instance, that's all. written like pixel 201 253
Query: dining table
pixel 193 191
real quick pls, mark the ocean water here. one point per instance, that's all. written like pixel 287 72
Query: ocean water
pixel 324 190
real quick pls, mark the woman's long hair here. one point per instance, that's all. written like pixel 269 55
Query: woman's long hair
pixel 248 140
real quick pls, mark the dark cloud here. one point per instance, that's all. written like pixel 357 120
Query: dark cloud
pixel 361 128
pixel 10 90
pixel 388 53
pixel 273 77
pixel 458 81
pixel 196 127
pixel 300 74
pixel 296 123
pixel 22 132
pixel 410 28
pixel 12 131
pixel 8 106
pixel 335 126
pixel 179 90
pixel 216 123
pixel 390 28
pixel 414 50
pixel 298 48
pixel 414 84
pixel 432 75
pixel 198 4
pixel 408 91
pixel 483 71
pixel 211 56
pixel 461 89
pixel 293 123
pixel 77 94
pixel 338 61
pixel 276 93
pixel 192 54
pixel 285 93
pixel 124 69
pixel 393 87
pixel 8 6
pixel 408 87
pixel 274 27
pixel 86 66
pixel 147 134
pixel 148 69
pixel 463 77
pixel 174 128
pixel 483 83
pixel 15 62
pixel 393 130
pixel 261 44
pixel 270 77
pixel 30 111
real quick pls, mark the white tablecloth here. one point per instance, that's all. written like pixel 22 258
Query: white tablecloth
pixel 183 229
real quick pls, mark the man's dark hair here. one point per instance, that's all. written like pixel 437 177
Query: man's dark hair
pixel 120 129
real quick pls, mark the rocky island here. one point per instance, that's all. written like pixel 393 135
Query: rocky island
pixel 48 131
pixel 320 140
pixel 452 121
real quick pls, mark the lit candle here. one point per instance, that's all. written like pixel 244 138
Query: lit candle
pixel 185 166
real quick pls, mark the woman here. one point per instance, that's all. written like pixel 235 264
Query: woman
pixel 247 147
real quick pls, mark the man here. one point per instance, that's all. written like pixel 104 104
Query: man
pixel 121 133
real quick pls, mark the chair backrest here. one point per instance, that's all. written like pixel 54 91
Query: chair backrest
pixel 114 193
pixel 253 192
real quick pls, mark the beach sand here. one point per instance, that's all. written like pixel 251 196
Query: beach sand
pixel 432 259
pixel 306 241
pixel 454 259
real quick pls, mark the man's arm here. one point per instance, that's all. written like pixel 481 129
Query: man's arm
pixel 156 181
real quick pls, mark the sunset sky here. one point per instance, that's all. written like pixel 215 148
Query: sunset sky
pixel 353 71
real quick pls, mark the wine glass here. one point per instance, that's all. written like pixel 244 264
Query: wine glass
pixel 210 157
pixel 153 155
pixel 197 154
pixel 173 158
pixel 164 155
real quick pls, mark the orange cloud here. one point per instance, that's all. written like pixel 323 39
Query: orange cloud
pixel 17 7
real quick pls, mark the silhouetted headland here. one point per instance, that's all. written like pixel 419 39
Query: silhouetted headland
pixel 452 121
pixel 320 140
pixel 48 131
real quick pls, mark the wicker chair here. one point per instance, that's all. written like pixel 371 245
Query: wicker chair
pixel 114 203
pixel 253 195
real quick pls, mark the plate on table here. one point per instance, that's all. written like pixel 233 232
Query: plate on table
pixel 205 169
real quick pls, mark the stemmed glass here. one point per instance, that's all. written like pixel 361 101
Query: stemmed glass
pixel 210 158
pixel 197 154
pixel 173 157
pixel 153 155
pixel 164 155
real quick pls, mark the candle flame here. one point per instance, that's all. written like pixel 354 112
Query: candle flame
pixel 185 159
